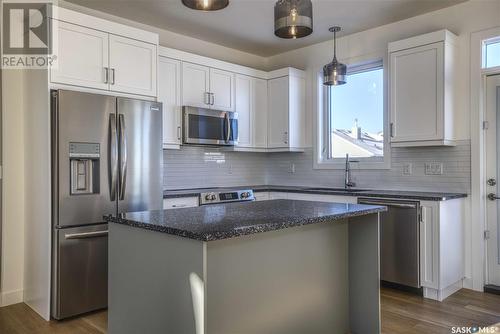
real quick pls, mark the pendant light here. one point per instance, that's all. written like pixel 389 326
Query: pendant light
pixel 206 5
pixel 334 73
pixel 293 18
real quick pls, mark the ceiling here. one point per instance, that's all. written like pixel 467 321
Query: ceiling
pixel 247 25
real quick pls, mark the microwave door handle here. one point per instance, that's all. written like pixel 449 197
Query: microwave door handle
pixel 123 156
pixel 228 125
pixel 112 157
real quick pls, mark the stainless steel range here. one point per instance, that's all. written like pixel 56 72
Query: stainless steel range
pixel 219 197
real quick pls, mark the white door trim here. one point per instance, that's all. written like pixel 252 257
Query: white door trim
pixel 478 159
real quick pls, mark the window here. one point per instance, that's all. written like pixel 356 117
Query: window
pixel 492 54
pixel 355 115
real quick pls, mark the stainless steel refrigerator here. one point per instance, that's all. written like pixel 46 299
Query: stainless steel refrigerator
pixel 106 159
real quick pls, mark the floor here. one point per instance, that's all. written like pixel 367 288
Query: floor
pixel 401 313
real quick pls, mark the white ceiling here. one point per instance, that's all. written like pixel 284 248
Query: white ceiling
pixel 247 25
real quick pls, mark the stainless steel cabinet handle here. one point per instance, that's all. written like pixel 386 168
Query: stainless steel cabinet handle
pixel 106 75
pixel 228 125
pixel 212 99
pixel 392 204
pixel 112 157
pixel 493 197
pixel 207 98
pixel 86 235
pixel 112 76
pixel 391 130
pixel 179 133
pixel 179 205
pixel 123 156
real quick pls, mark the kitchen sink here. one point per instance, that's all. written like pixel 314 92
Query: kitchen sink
pixel 339 189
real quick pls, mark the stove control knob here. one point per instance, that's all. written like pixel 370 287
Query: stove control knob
pixel 210 197
pixel 213 197
pixel 245 195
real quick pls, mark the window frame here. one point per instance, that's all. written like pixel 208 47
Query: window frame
pixel 323 143
pixel 485 43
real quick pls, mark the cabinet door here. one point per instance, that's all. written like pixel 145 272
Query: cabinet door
pixel 195 85
pixel 429 245
pixel 169 93
pixel 243 108
pixel 82 57
pixel 222 89
pixel 259 111
pixel 278 112
pixel 133 66
pixel 417 93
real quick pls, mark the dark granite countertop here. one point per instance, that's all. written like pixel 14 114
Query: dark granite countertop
pixel 223 221
pixel 416 195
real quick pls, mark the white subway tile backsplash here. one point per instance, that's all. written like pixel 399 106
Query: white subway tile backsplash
pixel 194 167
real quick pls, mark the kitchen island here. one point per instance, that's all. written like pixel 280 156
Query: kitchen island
pixel 279 266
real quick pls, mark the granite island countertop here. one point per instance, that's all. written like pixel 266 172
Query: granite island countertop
pixel 224 221
pixel 401 194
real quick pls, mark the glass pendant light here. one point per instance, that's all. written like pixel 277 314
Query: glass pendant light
pixel 293 18
pixel 334 73
pixel 206 5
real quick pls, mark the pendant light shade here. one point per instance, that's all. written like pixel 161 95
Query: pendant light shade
pixel 206 5
pixel 293 18
pixel 334 73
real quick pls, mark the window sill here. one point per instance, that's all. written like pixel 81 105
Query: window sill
pixel 363 165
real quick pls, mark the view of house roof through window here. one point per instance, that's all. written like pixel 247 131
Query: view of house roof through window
pixel 357 115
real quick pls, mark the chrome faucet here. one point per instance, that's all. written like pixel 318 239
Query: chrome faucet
pixel 348 184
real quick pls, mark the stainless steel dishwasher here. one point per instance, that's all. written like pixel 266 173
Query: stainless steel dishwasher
pixel 399 241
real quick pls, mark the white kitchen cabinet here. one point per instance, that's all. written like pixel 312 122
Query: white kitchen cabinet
pixel 133 66
pixel 251 106
pixel 442 247
pixel 261 196
pixel 195 85
pixel 169 94
pixel 222 90
pixel 93 53
pixel 180 202
pixel 82 57
pixel 286 113
pixel 423 95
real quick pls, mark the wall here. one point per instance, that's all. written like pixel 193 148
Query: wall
pixel 194 167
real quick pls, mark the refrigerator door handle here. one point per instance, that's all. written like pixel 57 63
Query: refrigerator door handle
pixel 113 157
pixel 86 235
pixel 123 156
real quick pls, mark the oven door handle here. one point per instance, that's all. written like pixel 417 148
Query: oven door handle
pixel 391 204
pixel 228 124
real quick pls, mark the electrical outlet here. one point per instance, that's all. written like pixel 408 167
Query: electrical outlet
pixel 407 169
pixel 434 168
pixel 230 169
pixel 291 169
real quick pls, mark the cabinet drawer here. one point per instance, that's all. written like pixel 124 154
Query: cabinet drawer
pixel 181 202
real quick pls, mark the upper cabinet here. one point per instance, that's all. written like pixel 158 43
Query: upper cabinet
pixel 93 53
pixel 206 87
pixel 169 94
pixel 423 94
pixel 286 112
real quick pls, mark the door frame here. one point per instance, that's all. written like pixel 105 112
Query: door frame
pixel 477 217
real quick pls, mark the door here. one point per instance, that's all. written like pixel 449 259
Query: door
pixel 82 57
pixel 278 112
pixel 140 154
pixel 259 113
pixel 244 110
pixel 133 66
pixel 80 283
pixel 222 90
pixel 417 93
pixel 195 85
pixel 169 94
pixel 493 174
pixel 83 121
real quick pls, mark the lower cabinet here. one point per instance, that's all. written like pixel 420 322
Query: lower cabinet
pixel 180 202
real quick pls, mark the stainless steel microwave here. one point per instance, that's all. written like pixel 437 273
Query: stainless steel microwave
pixel 209 127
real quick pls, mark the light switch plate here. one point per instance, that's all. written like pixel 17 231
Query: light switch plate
pixel 291 169
pixel 407 169
pixel 434 168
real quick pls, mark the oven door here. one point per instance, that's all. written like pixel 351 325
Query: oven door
pixel 209 127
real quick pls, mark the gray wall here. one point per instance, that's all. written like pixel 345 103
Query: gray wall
pixel 198 167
